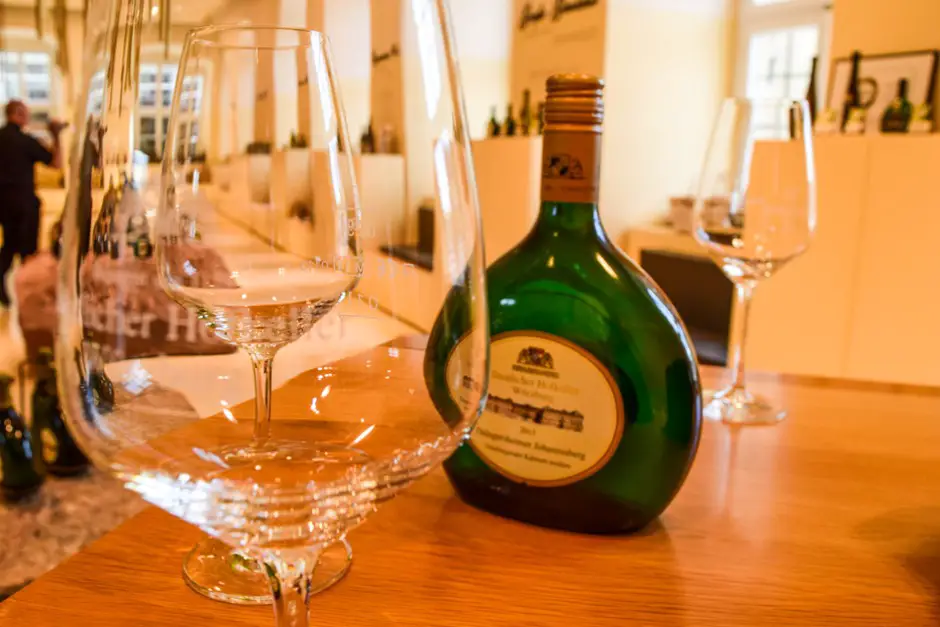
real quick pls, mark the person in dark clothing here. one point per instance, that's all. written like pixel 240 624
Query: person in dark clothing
pixel 19 205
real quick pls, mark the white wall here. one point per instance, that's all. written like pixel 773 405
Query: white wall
pixel 666 70
pixel 347 26
pixel 483 31
pixel 879 26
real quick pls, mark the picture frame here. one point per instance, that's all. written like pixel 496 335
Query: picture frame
pixel 878 79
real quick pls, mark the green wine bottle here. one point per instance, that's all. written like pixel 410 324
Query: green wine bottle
pixel 897 117
pixel 54 444
pixel 525 114
pixel 21 474
pixel 509 124
pixel 494 128
pixel 594 410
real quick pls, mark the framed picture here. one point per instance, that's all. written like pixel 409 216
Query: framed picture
pixel 879 76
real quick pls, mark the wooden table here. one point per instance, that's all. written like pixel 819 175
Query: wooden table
pixel 831 518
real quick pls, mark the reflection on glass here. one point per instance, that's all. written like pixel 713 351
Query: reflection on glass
pixel 766 179
pixel 276 464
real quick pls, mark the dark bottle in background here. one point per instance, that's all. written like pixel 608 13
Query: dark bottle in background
pixel 51 439
pixel 853 99
pixel 21 472
pixel 509 126
pixel 494 128
pixel 811 92
pixel 594 410
pixel 98 392
pixel 525 115
pixel 367 141
pixel 138 236
pixel 101 232
pixel 897 117
pixel 795 131
pixel 143 248
pixel 541 118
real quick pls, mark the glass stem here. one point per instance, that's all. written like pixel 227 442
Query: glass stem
pixel 291 580
pixel 744 293
pixel 262 362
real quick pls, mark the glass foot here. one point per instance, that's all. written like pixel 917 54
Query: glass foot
pixel 214 570
pixel 737 406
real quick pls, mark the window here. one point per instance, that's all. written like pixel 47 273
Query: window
pixel 778 40
pixel 27 76
pixel 155 97
pixel 157 83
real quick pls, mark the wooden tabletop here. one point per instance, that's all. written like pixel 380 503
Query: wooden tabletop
pixel 831 518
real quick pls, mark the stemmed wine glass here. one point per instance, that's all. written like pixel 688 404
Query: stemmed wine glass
pixel 353 413
pixel 284 290
pixel 760 176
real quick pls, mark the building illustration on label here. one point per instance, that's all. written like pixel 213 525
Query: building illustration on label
pixel 546 416
pixel 563 166
pixel 532 360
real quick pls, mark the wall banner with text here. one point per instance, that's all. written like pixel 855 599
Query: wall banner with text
pixel 555 36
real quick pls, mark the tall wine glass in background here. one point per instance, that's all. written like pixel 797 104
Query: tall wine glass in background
pixel 282 289
pixel 280 261
pixel 760 175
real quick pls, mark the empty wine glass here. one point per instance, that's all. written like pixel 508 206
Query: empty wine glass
pixel 281 292
pixel 281 261
pixel 759 175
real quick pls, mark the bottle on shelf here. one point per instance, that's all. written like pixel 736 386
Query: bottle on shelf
pixel 594 410
pixel 795 132
pixel 494 128
pixel 53 442
pixel 541 118
pixel 851 107
pixel 138 236
pixel 811 92
pixel 509 126
pixel 367 141
pixel 388 141
pixel 897 117
pixel 525 114
pixel 101 232
pixel 21 473
pixel 98 392
pixel 921 119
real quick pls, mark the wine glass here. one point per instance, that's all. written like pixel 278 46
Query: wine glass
pixel 760 177
pixel 285 289
pixel 286 262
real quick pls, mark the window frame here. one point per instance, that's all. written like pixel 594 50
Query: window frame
pixel 754 19
pixel 159 112
pixel 17 44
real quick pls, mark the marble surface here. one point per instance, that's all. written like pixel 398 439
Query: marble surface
pixel 62 518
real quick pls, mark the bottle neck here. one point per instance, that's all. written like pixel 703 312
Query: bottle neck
pixel 46 382
pixel 570 219
pixel 571 159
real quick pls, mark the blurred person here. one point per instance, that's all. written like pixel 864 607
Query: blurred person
pixel 19 204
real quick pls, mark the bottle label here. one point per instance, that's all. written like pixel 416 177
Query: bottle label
pixel 571 166
pixel 50 447
pixel 856 122
pixel 554 414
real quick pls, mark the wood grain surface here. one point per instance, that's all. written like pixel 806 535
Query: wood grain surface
pixel 831 518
